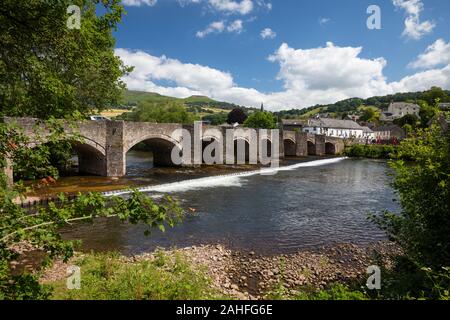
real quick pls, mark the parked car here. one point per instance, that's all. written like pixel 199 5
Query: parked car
pixel 99 118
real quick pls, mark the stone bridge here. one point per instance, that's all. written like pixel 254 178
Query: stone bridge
pixel 104 144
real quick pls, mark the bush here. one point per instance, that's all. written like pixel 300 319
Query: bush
pixel 422 229
pixel 371 151
pixel 261 120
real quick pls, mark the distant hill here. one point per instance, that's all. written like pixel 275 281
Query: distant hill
pixel 132 98
pixel 353 105
pixel 203 106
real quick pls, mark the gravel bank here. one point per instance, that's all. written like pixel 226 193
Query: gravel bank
pixel 246 275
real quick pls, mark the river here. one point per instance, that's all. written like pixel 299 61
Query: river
pixel 306 205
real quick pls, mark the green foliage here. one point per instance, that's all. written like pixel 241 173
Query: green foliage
pixel 422 229
pixel 133 98
pixel 47 69
pixel 428 112
pixel 237 115
pixel 410 120
pixel 333 292
pixel 371 151
pixel 434 94
pixel 261 120
pixel 370 115
pixel 217 118
pixel 40 228
pixel 109 277
pixel 169 112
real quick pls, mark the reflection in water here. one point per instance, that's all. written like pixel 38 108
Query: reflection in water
pixel 303 208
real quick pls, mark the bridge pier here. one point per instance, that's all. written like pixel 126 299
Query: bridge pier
pixel 115 152
pixel 320 145
pixel 301 143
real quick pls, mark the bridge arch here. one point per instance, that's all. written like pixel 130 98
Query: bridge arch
pixel 91 160
pixel 330 148
pixel 311 148
pixel 289 147
pixel 160 145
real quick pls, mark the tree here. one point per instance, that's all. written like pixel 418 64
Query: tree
pixel 216 118
pixel 41 228
pixel 169 112
pixel 410 119
pixel 370 115
pixel 422 229
pixel 261 120
pixel 237 116
pixel 428 112
pixel 433 94
pixel 48 70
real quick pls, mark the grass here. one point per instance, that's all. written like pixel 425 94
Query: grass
pixel 333 292
pixel 112 113
pixel 110 277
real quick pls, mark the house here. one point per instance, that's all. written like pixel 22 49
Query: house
pixel 397 110
pixel 352 117
pixel 293 124
pixel 388 132
pixel 369 134
pixel 334 128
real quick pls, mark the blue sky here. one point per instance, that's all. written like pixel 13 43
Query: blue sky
pixel 310 52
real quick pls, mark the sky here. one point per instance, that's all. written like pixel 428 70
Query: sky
pixel 285 53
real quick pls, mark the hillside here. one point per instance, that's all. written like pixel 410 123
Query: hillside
pixel 203 107
pixel 353 105
pixel 132 98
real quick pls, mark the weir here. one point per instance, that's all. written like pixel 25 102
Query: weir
pixel 229 180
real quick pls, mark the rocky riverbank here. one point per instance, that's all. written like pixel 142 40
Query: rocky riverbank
pixel 246 275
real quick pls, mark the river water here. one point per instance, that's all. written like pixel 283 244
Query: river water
pixel 306 205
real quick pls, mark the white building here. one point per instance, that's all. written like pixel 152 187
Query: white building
pixel 368 134
pixel 334 128
pixel 398 110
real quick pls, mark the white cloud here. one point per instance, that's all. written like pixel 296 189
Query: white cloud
pixel 220 26
pixel 188 78
pixel 243 7
pixel 436 54
pixel 414 29
pixel 310 76
pixel 138 3
pixel 324 21
pixel 268 33
pixel 235 27
pixel 240 7
pixel 214 27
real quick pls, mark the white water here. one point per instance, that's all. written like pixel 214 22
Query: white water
pixel 231 180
